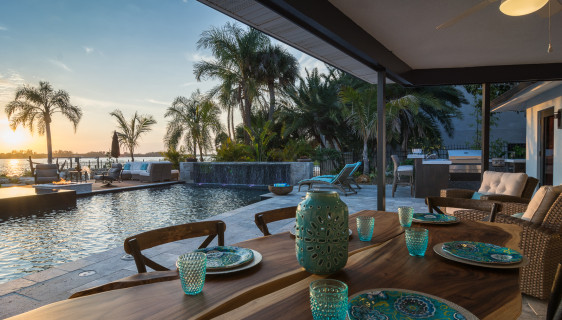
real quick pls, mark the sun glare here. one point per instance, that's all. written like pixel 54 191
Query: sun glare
pixel 14 138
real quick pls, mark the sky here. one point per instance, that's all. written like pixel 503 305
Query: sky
pixel 131 55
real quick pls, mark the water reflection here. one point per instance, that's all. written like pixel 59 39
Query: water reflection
pixel 101 222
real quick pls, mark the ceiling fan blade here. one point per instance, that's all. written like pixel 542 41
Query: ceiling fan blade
pixel 555 7
pixel 483 4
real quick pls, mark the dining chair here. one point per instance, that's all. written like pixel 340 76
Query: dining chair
pixel 263 218
pixel 488 208
pixel 399 171
pixel 554 309
pixel 135 244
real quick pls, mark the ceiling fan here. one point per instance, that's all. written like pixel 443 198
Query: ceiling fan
pixel 510 7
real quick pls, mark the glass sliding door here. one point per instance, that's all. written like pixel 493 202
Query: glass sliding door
pixel 547 147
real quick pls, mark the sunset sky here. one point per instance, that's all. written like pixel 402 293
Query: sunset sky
pixel 130 55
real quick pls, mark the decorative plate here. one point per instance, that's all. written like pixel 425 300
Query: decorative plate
pixel 385 304
pixel 434 218
pixel 438 248
pixel 293 231
pixel 482 252
pixel 226 257
pixel 257 259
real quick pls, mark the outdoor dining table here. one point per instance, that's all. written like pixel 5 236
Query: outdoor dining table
pixel 278 287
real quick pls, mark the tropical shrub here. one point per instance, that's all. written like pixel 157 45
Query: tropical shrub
pixel 231 151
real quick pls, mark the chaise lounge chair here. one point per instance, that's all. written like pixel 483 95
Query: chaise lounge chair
pixel 350 179
pixel 339 181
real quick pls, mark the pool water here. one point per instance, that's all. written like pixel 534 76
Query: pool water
pixel 101 222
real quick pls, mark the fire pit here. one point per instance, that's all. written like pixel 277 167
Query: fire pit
pixel 66 185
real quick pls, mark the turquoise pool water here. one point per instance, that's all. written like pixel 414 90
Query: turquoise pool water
pixel 101 222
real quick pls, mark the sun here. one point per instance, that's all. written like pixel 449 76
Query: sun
pixel 14 138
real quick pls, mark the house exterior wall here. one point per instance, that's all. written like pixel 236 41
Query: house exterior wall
pixel 540 103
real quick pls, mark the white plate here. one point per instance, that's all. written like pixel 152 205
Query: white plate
pixel 438 248
pixel 257 259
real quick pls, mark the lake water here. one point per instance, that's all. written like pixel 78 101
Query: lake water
pixel 102 222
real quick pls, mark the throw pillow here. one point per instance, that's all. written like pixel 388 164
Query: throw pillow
pixel 127 166
pixel 541 203
pixel 518 215
pixel 144 166
pixel 511 184
pixel 477 195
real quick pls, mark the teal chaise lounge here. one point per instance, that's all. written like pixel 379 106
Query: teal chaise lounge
pixel 340 181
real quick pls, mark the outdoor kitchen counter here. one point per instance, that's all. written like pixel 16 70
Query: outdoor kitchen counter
pixel 430 177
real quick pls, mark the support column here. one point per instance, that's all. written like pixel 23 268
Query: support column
pixel 485 128
pixel 381 141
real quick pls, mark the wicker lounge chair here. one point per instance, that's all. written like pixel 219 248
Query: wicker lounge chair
pixel 541 242
pixel 339 181
pixel 350 179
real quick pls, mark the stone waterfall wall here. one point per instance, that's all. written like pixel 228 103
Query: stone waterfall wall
pixel 245 173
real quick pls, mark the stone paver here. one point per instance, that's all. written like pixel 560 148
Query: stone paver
pixel 59 283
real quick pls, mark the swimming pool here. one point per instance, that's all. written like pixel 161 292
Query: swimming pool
pixel 101 222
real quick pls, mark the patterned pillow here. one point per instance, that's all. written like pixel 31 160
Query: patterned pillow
pixel 127 166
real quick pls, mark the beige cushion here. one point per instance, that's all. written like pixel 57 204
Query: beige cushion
pixel 511 184
pixel 541 203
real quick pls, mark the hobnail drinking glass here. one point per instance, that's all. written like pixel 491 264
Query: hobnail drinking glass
pixel 365 227
pixel 405 215
pixel 192 268
pixel 328 299
pixel 416 241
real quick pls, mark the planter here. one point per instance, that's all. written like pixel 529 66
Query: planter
pixel 304 160
pixel 321 232
pixel 280 191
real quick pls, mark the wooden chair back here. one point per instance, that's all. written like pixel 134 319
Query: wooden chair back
pixel 135 244
pixel 396 162
pixel 554 309
pixel 263 218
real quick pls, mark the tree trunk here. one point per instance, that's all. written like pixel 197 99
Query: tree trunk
pixel 131 150
pixel 405 144
pixel 228 122
pixel 195 148
pixel 247 120
pixel 365 158
pixel 271 88
pixel 200 153
pixel 49 143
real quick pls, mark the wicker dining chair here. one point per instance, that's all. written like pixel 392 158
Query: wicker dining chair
pixel 541 242
pixel 263 218
pixel 554 309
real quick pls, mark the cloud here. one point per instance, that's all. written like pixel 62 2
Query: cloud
pixel 60 65
pixel 308 62
pixel 158 102
pixel 196 57
pixel 8 85
pixel 3 28
pixel 188 84
pixel 88 49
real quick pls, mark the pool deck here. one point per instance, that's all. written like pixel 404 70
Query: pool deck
pixel 58 283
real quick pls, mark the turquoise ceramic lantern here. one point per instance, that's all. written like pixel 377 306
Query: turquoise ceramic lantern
pixel 322 232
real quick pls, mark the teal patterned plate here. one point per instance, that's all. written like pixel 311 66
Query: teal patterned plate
pixel 434 218
pixel 482 252
pixel 226 257
pixel 394 304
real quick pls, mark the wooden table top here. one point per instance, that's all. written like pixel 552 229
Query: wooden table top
pixel 279 286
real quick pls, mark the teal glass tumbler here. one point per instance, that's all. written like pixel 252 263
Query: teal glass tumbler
pixel 365 227
pixel 328 299
pixel 192 268
pixel 405 215
pixel 416 241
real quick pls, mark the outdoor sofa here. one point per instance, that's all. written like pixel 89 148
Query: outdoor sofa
pixel 46 173
pixel 147 171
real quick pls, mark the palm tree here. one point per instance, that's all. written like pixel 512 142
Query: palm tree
pixel 278 69
pixel 193 119
pixel 235 63
pixel 361 113
pixel 132 129
pixel 35 107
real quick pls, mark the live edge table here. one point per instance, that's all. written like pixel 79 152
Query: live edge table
pixel 278 287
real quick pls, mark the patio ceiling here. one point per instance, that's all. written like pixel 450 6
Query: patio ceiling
pixel 400 37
